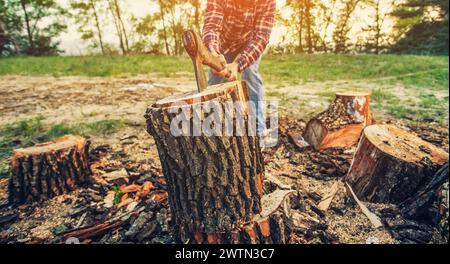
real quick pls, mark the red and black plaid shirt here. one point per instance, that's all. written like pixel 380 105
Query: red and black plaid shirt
pixel 232 26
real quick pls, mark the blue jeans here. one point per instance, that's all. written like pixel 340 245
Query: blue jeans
pixel 254 82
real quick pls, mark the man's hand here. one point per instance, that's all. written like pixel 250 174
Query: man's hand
pixel 230 72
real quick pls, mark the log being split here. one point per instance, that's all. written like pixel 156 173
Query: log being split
pixel 215 181
pixel 391 164
pixel 341 124
pixel 50 169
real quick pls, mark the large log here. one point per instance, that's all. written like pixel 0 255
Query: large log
pixel 214 181
pixel 50 169
pixel 391 164
pixel 341 124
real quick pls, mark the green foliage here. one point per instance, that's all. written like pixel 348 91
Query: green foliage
pixel 30 26
pixel 419 32
pixel 117 194
pixel 87 15
pixel 343 26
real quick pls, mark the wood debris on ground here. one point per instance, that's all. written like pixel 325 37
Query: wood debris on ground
pixel 127 201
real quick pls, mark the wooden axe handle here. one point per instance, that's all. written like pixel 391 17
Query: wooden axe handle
pixel 197 50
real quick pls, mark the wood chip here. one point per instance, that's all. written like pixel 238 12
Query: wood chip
pixel 373 218
pixel 326 201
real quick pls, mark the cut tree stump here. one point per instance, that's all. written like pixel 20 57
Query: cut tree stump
pixel 215 181
pixel 341 124
pixel 391 164
pixel 50 169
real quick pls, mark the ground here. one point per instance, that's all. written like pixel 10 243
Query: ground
pixel 110 112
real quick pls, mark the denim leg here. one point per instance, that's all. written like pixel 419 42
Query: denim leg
pixel 254 82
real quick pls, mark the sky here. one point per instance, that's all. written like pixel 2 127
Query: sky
pixel 73 45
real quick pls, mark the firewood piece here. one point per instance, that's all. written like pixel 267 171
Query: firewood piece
pixel 275 181
pixel 93 231
pixel 298 140
pixel 7 217
pixel 390 164
pixel 215 183
pixel 273 224
pixel 326 201
pixel 50 169
pixel 417 206
pixel 341 124
pixel 373 218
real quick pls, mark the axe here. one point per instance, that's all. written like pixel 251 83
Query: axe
pixel 200 56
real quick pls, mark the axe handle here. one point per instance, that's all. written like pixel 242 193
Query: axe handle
pixel 196 49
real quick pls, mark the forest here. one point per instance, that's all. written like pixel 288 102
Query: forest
pixel 32 27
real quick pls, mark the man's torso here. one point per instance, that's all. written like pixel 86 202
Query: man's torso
pixel 238 25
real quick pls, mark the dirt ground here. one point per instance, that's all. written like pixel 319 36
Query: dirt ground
pixel 71 100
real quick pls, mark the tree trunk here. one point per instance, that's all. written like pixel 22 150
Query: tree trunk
pixel 121 24
pixel 27 23
pixel 308 25
pixel 215 181
pixel 341 124
pixel 196 4
pixel 47 170
pixel 97 25
pixel 117 26
pixel 161 10
pixel 391 165
pixel 300 29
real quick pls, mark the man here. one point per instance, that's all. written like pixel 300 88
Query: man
pixel 238 31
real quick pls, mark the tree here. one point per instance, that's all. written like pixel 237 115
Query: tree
pixel 117 15
pixel 146 30
pixel 9 29
pixel 163 20
pixel 377 39
pixel 327 13
pixel 196 6
pixel 421 27
pixel 302 23
pixel 31 26
pixel 87 16
pixel 41 38
pixel 343 27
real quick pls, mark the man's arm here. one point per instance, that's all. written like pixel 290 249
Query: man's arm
pixel 265 17
pixel 213 24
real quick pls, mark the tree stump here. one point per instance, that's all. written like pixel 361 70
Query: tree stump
pixel 391 164
pixel 214 181
pixel 341 124
pixel 50 169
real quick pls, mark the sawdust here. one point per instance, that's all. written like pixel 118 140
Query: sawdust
pixel 37 224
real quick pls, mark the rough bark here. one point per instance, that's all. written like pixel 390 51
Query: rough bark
pixel 430 204
pixel 215 182
pixel 341 124
pixel 47 170
pixel 391 164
